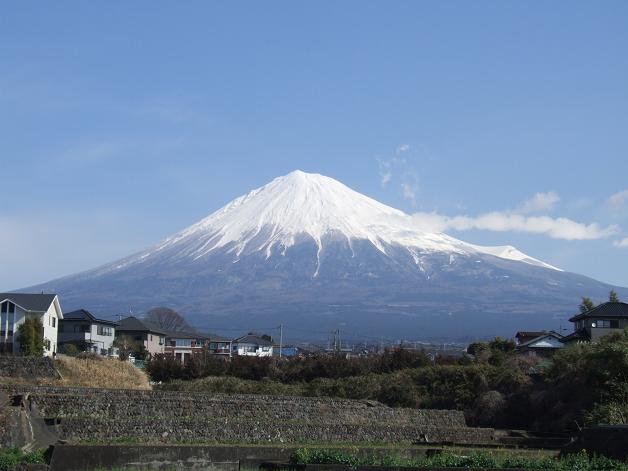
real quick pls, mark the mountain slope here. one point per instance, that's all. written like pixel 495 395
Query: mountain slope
pixel 307 251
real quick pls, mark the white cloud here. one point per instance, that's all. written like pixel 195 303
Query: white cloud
pixel 556 228
pixel 618 200
pixel 622 243
pixel 410 185
pixel 540 202
pixel 519 220
pixel 409 192
pixel 402 148
pixel 397 163
pixel 385 171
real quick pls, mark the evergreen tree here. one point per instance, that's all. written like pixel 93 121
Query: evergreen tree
pixel 612 296
pixel 30 335
pixel 586 305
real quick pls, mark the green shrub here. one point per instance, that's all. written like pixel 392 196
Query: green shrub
pixel 11 457
pixel 30 335
pixel 69 349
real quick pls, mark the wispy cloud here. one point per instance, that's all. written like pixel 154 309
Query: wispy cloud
pixel 398 167
pixel 96 151
pixel 402 148
pixel 622 243
pixel 519 220
pixel 410 185
pixel 618 200
pixel 540 202
pixel 385 171
pixel 556 228
pixel 178 110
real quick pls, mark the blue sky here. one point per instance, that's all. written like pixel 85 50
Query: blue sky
pixel 499 122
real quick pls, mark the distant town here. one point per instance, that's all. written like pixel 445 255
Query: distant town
pixel 164 331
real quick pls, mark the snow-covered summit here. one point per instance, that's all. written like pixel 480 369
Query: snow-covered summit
pixel 306 205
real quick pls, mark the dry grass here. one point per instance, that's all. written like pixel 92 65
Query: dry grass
pixel 91 373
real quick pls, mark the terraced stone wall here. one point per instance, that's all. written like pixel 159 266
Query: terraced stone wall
pixel 94 414
pixel 27 367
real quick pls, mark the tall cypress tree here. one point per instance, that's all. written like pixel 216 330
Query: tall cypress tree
pixel 30 335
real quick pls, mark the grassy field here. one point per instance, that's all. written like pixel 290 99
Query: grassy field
pixel 90 373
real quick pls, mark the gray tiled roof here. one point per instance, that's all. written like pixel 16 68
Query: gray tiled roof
pixel 85 315
pixel 604 310
pixel 29 301
pixel 133 324
pixel 255 339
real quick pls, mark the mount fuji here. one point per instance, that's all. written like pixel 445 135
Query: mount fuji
pixel 310 253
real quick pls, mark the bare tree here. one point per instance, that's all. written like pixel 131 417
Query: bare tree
pixel 168 319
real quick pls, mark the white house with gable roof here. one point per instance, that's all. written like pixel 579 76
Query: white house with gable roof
pixel 15 308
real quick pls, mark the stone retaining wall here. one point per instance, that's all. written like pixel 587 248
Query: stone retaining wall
pixel 124 404
pixel 239 408
pixel 198 431
pixel 27 367
pixel 165 416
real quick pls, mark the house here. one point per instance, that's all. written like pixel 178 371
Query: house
pixel 541 344
pixel 153 338
pixel 253 345
pixel 525 336
pixel 602 320
pixel 88 333
pixel 183 345
pixel 15 308
pixel 220 346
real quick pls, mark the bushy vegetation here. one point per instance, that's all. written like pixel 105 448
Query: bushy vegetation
pixel 580 462
pixel 30 335
pixel 128 346
pixel 582 384
pixel 11 457
pixel 286 370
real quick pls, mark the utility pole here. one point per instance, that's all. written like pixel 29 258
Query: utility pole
pixel 280 339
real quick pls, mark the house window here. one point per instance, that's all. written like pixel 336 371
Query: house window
pixel 3 309
pixel 11 308
pixel 183 342
pixel 47 344
pixel 161 340
pixel 54 321
pixel 607 324
pixel 104 330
